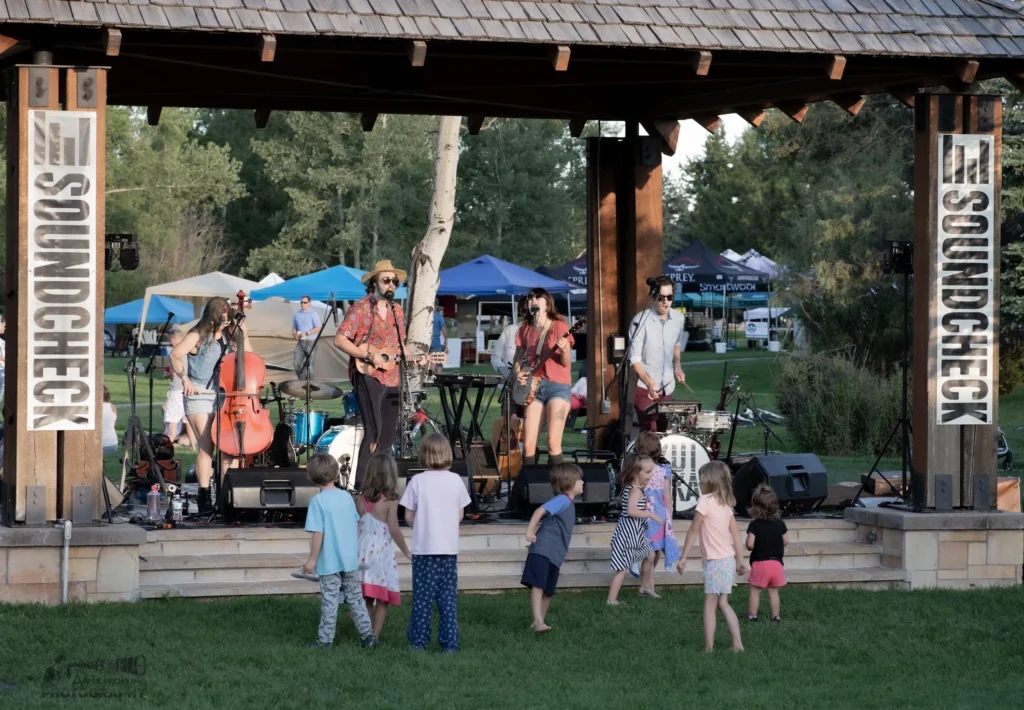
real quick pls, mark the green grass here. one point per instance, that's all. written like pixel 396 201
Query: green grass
pixel 835 649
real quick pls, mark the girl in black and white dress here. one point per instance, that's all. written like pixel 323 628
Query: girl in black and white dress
pixel 629 541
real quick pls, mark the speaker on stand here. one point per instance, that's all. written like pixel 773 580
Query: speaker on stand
pixel 532 488
pixel 799 480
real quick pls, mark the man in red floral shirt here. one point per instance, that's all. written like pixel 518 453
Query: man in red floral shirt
pixel 370 323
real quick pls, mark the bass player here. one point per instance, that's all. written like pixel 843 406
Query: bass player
pixel 543 330
pixel 371 336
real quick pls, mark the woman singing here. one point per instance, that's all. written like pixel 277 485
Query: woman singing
pixel 543 332
pixel 195 360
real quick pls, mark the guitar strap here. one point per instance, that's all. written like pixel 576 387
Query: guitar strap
pixel 540 340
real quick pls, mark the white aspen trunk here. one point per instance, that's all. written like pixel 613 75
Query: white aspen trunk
pixel 426 257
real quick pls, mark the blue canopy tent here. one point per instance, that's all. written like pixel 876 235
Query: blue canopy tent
pixel 343 281
pixel 159 308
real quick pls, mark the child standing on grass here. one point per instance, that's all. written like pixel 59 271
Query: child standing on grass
pixel 549 544
pixel 719 548
pixel 378 534
pixel 767 539
pixel 629 541
pixel 658 493
pixel 334 552
pixel 435 502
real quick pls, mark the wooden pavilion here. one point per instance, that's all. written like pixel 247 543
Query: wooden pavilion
pixel 646 62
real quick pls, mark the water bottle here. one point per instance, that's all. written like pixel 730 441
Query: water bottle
pixel 176 511
pixel 153 502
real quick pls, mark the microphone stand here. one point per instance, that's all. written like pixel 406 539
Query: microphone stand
pixel 403 444
pixel 149 367
pixel 768 433
pixel 309 378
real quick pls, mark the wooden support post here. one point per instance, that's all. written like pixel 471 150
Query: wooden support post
pixel 576 126
pixel 754 116
pixel 702 63
pixel 54 368
pixel 153 115
pixel 417 53
pixel 366 120
pixel 624 234
pixel 111 42
pixel 268 47
pixel 836 67
pixel 560 57
pixel 957 180
pixel 262 117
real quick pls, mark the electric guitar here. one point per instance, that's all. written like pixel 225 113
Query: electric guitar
pixel 523 394
pixel 387 360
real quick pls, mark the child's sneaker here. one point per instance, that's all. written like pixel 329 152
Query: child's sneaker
pixel 316 644
pixel 751 618
pixel 776 619
pixel 371 642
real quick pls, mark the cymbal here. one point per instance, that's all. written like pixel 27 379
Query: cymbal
pixel 317 390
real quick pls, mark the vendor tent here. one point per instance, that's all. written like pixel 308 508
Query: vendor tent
pixel 159 308
pixel 489 276
pixel 215 283
pixel 343 281
pixel 271 279
pixel 575 272
pixel 697 268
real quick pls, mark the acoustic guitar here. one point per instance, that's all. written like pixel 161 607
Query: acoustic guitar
pixel 387 360
pixel 523 394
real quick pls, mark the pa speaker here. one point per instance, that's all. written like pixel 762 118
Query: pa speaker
pixel 249 490
pixel 532 488
pixel 799 480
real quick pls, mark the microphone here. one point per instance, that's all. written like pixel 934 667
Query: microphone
pixel 170 314
pixel 334 310
pixel 651 281
pixel 534 309
pixel 390 295
pixel 239 316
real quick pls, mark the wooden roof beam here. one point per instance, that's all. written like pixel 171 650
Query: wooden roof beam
pixel 709 123
pixel 753 116
pixel 262 117
pixel 1017 80
pixel 796 111
pixel 560 57
pixel 474 123
pixel 268 47
pixel 851 103
pixel 904 94
pixel 702 63
pixel 667 131
pixel 153 115
pixel 966 70
pixel 836 67
pixel 366 120
pixel 417 52
pixel 576 126
pixel 111 42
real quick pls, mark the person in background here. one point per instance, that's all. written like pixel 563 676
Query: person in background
pixel 109 438
pixel 505 350
pixel 578 393
pixel 305 325
pixel 174 406
pixel 438 341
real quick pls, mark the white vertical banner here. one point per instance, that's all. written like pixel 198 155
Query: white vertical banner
pixel 62 239
pixel 966 271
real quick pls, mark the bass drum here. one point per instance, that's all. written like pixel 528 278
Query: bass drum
pixel 342 442
pixel 686 455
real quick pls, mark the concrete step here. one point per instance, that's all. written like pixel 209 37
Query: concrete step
pixel 863 577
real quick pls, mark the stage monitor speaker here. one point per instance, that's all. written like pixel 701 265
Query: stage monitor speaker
pixel 248 490
pixel 532 488
pixel 799 480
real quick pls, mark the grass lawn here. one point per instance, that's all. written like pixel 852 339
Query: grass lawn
pixel 835 649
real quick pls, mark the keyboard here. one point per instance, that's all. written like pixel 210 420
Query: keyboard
pixel 672 407
pixel 466 379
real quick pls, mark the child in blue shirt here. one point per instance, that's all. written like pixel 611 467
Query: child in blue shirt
pixel 549 544
pixel 334 552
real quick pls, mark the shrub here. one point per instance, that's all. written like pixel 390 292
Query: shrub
pixel 834 408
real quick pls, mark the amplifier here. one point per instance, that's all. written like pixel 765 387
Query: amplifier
pixel 286 490
pixel 532 488
pixel 799 480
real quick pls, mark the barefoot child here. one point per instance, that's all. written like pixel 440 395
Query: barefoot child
pixel 767 539
pixel 550 543
pixel 435 503
pixel 629 541
pixel 378 535
pixel 658 493
pixel 334 552
pixel 719 548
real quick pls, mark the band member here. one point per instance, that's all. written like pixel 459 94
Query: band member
pixel 545 330
pixel 195 361
pixel 371 323
pixel 655 354
pixel 305 325
pixel 505 350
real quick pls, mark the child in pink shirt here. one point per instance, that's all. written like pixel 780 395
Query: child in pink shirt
pixel 720 549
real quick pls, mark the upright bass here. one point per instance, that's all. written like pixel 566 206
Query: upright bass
pixel 243 426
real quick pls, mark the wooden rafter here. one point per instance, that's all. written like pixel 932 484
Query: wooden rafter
pixel 966 70
pixel 268 47
pixel 367 119
pixel 904 94
pixel 1017 80
pixel 111 42
pixel 474 124
pixel 262 117
pixel 709 123
pixel 576 126
pixel 559 56
pixel 153 115
pixel 836 67
pixel 753 116
pixel 796 111
pixel 702 63
pixel 417 52
pixel 851 103
pixel 667 131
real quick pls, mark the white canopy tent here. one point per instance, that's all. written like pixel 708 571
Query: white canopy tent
pixel 271 279
pixel 764 313
pixel 215 283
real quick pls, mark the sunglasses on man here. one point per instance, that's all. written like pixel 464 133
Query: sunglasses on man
pixel 388 281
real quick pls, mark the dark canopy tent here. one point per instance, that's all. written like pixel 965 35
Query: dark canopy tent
pixel 574 272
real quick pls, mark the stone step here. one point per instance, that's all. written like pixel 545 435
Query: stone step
pixel 862 577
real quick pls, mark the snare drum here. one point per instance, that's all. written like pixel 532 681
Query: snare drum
pixel 317 424
pixel 686 455
pixel 342 442
pixel 712 421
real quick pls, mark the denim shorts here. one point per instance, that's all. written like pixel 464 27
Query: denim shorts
pixel 549 390
pixel 201 403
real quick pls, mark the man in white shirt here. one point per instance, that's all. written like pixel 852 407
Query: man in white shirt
pixel 655 354
pixel 505 351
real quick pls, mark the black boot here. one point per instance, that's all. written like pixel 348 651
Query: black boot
pixel 205 501
pixel 555 458
pixel 530 460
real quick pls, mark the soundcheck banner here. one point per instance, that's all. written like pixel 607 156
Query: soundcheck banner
pixel 62 239
pixel 966 271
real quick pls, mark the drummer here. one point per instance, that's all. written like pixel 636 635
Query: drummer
pixel 655 354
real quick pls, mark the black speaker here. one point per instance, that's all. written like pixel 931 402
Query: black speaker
pixel 248 490
pixel 532 488
pixel 407 468
pixel 799 480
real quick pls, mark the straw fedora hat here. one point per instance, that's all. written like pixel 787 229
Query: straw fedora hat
pixel 382 266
